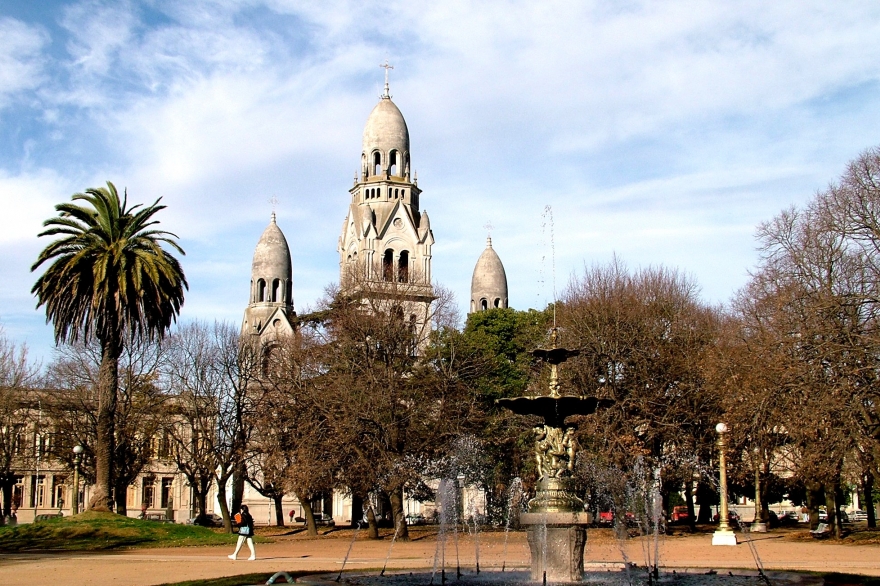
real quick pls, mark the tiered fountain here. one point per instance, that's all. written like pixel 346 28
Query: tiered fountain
pixel 556 518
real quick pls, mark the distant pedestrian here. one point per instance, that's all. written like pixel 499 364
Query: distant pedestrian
pixel 245 532
pixel 291 515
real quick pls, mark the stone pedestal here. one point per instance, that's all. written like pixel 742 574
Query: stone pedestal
pixel 758 528
pixel 556 542
pixel 724 538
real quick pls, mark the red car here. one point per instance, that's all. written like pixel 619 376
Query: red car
pixel 679 514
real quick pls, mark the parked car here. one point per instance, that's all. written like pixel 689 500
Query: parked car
pixel 823 516
pixel 679 514
pixel 211 520
pixel 607 518
pixel 732 518
pixel 859 515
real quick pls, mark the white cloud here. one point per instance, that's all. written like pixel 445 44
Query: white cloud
pixel 662 131
pixel 21 59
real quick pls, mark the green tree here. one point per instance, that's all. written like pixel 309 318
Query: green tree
pixel 504 338
pixel 109 278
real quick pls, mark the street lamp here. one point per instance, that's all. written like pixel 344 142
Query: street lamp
pixel 758 526
pixel 723 536
pixel 77 458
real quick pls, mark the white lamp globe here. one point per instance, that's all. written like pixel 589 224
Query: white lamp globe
pixel 721 428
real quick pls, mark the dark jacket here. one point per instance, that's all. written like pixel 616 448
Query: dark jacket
pixel 246 522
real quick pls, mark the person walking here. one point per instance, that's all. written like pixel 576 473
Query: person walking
pixel 245 532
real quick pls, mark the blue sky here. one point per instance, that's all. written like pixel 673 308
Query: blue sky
pixel 662 132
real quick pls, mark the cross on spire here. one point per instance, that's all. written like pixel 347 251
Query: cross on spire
pixel 386 67
pixel 274 201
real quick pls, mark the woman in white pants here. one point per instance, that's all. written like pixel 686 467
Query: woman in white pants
pixel 245 532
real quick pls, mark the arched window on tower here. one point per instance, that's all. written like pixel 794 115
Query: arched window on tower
pixel 388 265
pixel 276 290
pixel 484 305
pixel 497 302
pixel 261 290
pixel 288 290
pixel 392 162
pixel 377 163
pixel 403 267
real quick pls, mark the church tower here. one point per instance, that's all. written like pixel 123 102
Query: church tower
pixel 386 240
pixel 489 283
pixel 269 313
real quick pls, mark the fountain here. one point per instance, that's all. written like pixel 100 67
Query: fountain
pixel 556 519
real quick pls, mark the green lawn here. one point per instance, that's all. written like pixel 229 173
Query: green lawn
pixel 102 531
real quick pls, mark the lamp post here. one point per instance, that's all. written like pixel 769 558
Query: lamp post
pixel 723 536
pixel 77 458
pixel 758 526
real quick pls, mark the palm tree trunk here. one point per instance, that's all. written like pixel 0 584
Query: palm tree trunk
pixel 108 383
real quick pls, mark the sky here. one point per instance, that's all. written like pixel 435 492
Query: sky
pixel 659 132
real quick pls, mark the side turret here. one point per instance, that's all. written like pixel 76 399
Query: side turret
pixel 270 308
pixel 489 283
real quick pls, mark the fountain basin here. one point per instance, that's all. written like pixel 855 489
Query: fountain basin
pixel 601 574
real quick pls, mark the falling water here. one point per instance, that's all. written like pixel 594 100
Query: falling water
pixel 348 553
pixel 397 527
pixel 440 552
pixel 514 494
pixel 454 494
pixel 746 532
pixel 548 226
pixel 472 512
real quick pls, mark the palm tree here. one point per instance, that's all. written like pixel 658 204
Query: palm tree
pixel 109 279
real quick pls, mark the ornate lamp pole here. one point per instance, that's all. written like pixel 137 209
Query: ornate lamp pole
pixel 723 536
pixel 77 458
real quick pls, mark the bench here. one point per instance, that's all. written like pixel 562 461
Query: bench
pixel 822 531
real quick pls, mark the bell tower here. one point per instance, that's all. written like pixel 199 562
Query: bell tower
pixel 386 239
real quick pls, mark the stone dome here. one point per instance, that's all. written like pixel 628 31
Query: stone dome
pixel 271 272
pixel 272 255
pixel 489 283
pixel 385 130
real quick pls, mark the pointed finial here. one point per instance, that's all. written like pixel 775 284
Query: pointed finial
pixel 488 227
pixel 385 65
pixel 273 217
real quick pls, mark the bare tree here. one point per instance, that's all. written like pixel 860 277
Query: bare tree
pixel 214 379
pixel 385 401
pixel 18 375
pixel 643 336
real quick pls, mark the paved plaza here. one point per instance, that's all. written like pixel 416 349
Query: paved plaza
pixel 146 567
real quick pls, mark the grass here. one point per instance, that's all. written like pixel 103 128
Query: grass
pixel 92 531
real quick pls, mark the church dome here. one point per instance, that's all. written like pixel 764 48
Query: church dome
pixel 271 272
pixel 384 134
pixel 489 283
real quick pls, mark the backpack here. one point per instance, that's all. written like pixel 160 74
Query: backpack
pixel 237 518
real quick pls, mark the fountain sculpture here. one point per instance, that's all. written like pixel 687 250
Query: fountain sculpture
pixel 556 518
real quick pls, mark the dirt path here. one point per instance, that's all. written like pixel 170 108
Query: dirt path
pixel 147 567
